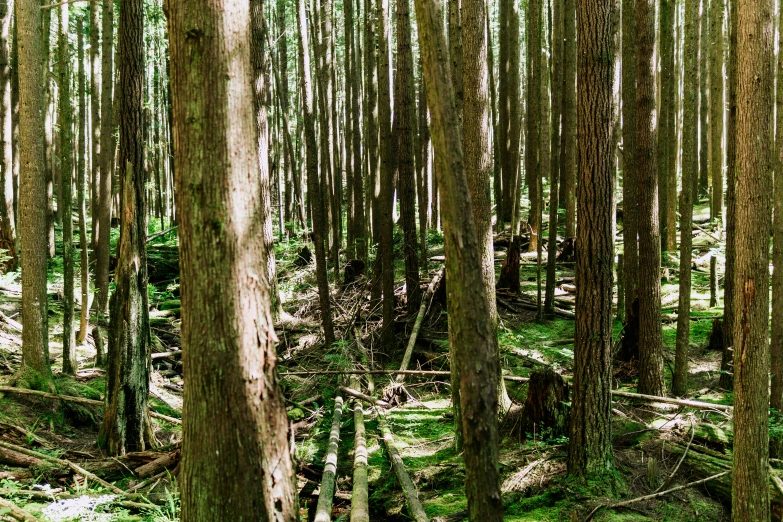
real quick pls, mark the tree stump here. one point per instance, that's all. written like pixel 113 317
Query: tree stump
pixel 716 336
pixel 568 251
pixel 629 345
pixel 545 412
pixel 353 270
pixel 509 273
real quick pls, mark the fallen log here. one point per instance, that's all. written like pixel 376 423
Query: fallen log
pixel 323 511
pixel 668 400
pixel 16 512
pixel 419 320
pixel 360 498
pixel 408 488
pixel 14 458
pixel 365 398
pixel 45 495
pixel 166 462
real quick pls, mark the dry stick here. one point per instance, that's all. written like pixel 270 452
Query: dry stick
pixel 411 495
pixel 62 462
pixel 360 499
pixel 153 237
pixel 681 402
pixel 776 481
pixel 323 511
pixel 17 512
pixel 669 480
pixel 78 400
pixel 654 495
pixel 417 325
pixel 365 398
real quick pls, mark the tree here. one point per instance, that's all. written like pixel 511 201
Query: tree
pixel 35 371
pixel 532 137
pixel 66 197
pixel 95 120
pixel 750 492
pixel 508 101
pixel 359 220
pixel 81 181
pixel 630 183
pixel 313 183
pixel 7 221
pixel 590 441
pixel 106 159
pixel 690 168
pixel 667 135
pixel 776 339
pixel 700 183
pixel 649 281
pixel 569 149
pixel 716 108
pixel 404 132
pixel 126 425
pixel 371 119
pixel 470 327
pixel 231 364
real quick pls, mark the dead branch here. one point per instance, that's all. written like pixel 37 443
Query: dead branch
pixel 365 398
pixel 323 511
pixel 419 320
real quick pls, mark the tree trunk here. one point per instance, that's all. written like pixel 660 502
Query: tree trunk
pixel 533 136
pixel 649 279
pixel 35 371
pixel 81 181
pixel 568 151
pixel 716 109
pixel 776 345
pixel 423 170
pixel 106 158
pixel 700 184
pixel 227 332
pixel 371 118
pixel 667 138
pixel 508 102
pixel 471 330
pixel 8 236
pixel 545 412
pixel 590 446
pixel 126 426
pixel 404 129
pixel 49 114
pixel 690 168
pixel 95 120
pixel 750 495
pixel 630 177
pixel 359 220
pixel 66 199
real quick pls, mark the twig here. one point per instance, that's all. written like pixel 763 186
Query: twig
pixel 654 495
pixel 677 467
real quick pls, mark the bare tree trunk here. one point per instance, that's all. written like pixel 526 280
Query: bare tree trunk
pixel 81 181
pixel 716 109
pixel 700 184
pixel 630 178
pixel 667 138
pixel 8 236
pixel 569 149
pixel 533 136
pixel 95 120
pixel 508 98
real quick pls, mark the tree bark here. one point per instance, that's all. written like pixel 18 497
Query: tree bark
pixel 81 181
pixel 630 182
pixel 649 279
pixel 776 339
pixel 106 158
pixel 508 102
pixel 95 120
pixel 700 184
pixel 568 151
pixel 227 331
pixel 667 138
pixel 750 495
pixel 533 135
pixel 690 168
pixel 471 330
pixel 8 236
pixel 126 425
pixel 716 109
pixel 35 371
pixel 590 441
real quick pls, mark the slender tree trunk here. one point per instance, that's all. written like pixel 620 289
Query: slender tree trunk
pixel 106 158
pixel 690 168
pixel 227 330
pixel 95 120
pixel 126 426
pixel 750 494
pixel 649 279
pixel 590 441
pixel 700 184
pixel 471 329
pixel 404 121
pixel 532 144
pixel 509 104
pixel 8 236
pixel 776 344
pixel 359 221
pixel 66 174
pixel 674 147
pixel 81 186
pixel 35 371
pixel 15 115
pixel 49 111
pixel 716 109
pixel 371 119
pixel 727 360
pixel 422 168
pixel 568 151
pixel 630 171
pixel 313 183
pixel 666 137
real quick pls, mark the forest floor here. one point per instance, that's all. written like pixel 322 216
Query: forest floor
pixel 650 439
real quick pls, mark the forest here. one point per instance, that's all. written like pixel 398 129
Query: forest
pixel 391 260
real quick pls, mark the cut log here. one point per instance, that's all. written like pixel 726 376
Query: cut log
pixel 419 320
pixel 323 512
pixel 166 462
pixel 409 490
pixel 545 406
pixel 360 499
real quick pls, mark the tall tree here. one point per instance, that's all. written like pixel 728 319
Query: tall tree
pixel 568 151
pixel 260 103
pixel 359 219
pixel 716 108
pixel 95 120
pixel 126 426
pixel 590 446
pixel 750 491
pixel 313 183
pixel 7 220
pixel 370 112
pixel 776 339
pixel 508 102
pixel 232 364
pixel 404 131
pixel 700 183
pixel 35 371
pixel 106 158
pixel 66 197
pixel 470 327
pixel 649 280
pixel 667 137
pixel 81 181
pixel 533 134
pixel 690 168
pixel 630 171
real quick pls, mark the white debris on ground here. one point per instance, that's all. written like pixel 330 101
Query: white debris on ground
pixel 81 508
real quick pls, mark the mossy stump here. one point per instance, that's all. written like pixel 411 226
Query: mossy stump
pixel 509 273
pixel 545 411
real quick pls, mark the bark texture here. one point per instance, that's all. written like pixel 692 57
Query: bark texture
pixel 630 184
pixel 508 104
pixel 7 220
